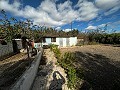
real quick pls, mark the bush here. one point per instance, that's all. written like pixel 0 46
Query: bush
pixel 56 51
pixel 66 61
pixel 113 38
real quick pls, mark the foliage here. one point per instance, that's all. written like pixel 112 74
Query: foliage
pixel 66 61
pixel 11 28
pixel 113 38
pixel 55 49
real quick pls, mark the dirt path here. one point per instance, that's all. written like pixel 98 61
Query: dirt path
pixel 51 76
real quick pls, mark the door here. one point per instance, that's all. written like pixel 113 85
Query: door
pixel 61 42
pixel 67 42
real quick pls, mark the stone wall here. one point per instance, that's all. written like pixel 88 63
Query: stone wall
pixel 6 49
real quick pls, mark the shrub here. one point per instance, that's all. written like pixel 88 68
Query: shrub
pixel 113 38
pixel 66 61
pixel 56 51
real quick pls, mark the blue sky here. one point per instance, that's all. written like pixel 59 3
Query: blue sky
pixel 84 14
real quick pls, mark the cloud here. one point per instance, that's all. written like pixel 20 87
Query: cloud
pixel 113 10
pixel 108 6
pixel 51 13
pixel 67 30
pixel 91 28
pixel 102 25
pixel 14 8
pixel 87 10
pixel 58 28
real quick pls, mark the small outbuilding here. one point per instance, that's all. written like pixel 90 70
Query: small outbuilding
pixel 60 41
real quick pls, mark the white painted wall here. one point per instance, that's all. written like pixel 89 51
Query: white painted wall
pixel 48 40
pixel 64 42
pixel 72 41
pixel 37 45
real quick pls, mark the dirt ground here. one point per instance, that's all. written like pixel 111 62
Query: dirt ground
pixel 12 68
pixel 101 65
pixel 112 52
pixel 50 76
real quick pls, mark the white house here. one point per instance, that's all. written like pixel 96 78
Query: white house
pixel 60 41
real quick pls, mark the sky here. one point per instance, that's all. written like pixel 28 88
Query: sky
pixel 84 14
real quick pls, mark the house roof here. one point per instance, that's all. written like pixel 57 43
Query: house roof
pixel 64 36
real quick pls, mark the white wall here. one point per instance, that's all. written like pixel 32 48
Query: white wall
pixel 6 49
pixel 72 41
pixel 47 41
pixel 64 42
pixel 37 45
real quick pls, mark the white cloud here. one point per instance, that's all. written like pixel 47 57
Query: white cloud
pixel 87 10
pixel 101 26
pixel 91 28
pixel 67 30
pixel 113 10
pixel 108 6
pixel 50 13
pixel 58 28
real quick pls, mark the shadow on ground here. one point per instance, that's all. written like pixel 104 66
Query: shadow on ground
pixel 99 71
pixel 10 75
pixel 57 82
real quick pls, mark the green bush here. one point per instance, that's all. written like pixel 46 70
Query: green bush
pixel 66 61
pixel 56 51
pixel 105 38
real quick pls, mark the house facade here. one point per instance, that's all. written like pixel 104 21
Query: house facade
pixel 60 41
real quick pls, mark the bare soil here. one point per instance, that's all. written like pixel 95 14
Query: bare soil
pixel 11 69
pixel 50 75
pixel 101 65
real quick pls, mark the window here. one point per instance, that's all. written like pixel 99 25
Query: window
pixel 53 39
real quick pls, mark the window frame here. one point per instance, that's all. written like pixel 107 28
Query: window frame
pixel 53 39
